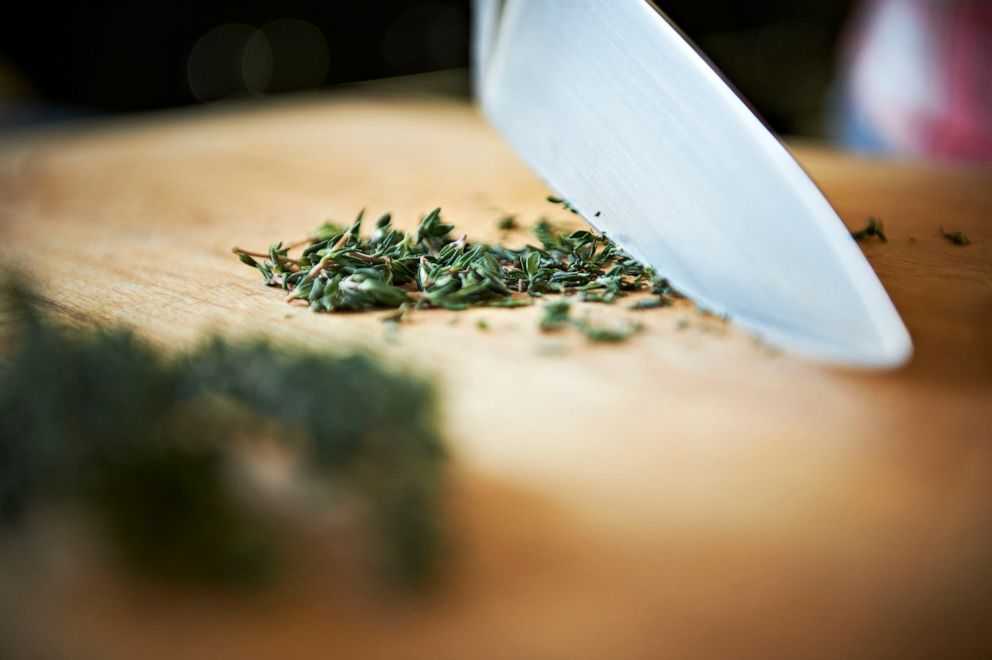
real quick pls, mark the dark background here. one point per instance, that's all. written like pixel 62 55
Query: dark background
pixel 67 59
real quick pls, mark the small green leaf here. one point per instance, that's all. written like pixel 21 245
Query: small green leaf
pixel 955 237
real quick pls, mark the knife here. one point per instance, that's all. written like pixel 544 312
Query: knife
pixel 612 106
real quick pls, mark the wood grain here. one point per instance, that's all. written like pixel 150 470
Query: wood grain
pixel 690 494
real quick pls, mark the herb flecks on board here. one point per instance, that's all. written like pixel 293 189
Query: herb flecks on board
pixel 652 303
pixel 147 444
pixel 955 237
pixel 340 269
pixel 874 228
pixel 564 203
pixel 508 223
pixel 603 334
pixel 558 315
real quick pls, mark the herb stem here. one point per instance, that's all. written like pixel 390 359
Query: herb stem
pixel 265 255
pixel 300 243
pixel 250 253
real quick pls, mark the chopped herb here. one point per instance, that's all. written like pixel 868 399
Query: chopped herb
pixel 401 314
pixel 146 443
pixel 482 324
pixel 508 223
pixel 874 228
pixel 339 269
pixel 558 201
pixel 605 335
pixel 509 302
pixel 556 315
pixel 653 303
pixel 956 237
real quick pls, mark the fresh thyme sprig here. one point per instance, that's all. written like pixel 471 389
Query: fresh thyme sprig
pixel 339 269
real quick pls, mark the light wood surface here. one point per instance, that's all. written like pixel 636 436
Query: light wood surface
pixel 689 494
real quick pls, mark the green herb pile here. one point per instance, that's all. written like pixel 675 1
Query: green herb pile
pixel 339 269
pixel 147 444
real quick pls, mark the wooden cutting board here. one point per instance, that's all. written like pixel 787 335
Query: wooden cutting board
pixel 690 493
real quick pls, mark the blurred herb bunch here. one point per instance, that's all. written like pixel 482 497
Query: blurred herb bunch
pixel 147 443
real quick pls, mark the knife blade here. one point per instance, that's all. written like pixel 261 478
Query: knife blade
pixel 621 115
pixel 485 24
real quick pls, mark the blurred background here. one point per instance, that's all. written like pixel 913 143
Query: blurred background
pixel 893 76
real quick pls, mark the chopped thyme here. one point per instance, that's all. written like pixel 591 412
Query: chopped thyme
pixel 508 223
pixel 558 201
pixel 510 303
pixel 339 269
pixel 955 237
pixel 605 335
pixel 556 315
pixel 653 303
pixel 400 314
pixel 148 444
pixel 874 228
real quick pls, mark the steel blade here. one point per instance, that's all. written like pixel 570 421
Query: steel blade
pixel 485 25
pixel 620 115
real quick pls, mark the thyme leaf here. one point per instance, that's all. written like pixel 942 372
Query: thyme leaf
pixel 955 237
pixel 874 228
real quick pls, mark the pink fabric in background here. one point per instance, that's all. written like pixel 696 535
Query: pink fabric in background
pixel 919 76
